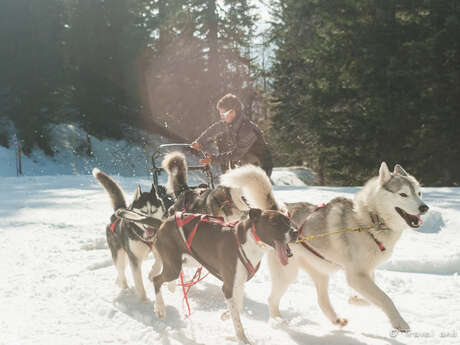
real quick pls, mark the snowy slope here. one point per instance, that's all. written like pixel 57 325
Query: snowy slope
pixel 58 287
pixel 69 144
pixel 115 157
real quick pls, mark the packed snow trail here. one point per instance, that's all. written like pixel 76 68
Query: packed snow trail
pixel 58 287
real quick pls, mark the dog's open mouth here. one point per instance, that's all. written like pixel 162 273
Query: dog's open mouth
pixel 283 251
pixel 411 220
pixel 149 232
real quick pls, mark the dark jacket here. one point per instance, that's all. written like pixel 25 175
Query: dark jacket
pixel 245 143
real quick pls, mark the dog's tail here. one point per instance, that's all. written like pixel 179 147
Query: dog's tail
pixel 254 184
pixel 115 192
pixel 176 166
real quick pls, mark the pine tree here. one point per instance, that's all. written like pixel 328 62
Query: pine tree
pixel 356 83
pixel 204 57
pixel 31 67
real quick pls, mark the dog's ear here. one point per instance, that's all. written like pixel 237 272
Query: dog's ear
pixel 400 171
pixel 254 213
pixel 161 190
pixel 138 193
pixel 384 174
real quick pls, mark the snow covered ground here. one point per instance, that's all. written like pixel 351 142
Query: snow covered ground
pixel 57 279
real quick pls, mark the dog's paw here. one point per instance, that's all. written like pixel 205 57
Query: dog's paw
pixel 145 299
pixel 160 310
pixel 225 315
pixel 401 326
pixel 275 312
pixel 341 322
pixel 278 322
pixel 172 286
pixel 356 300
pixel 142 296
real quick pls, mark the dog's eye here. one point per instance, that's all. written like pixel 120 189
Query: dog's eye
pixel 404 195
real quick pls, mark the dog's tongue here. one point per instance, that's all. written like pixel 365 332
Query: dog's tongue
pixel 281 251
pixel 150 232
pixel 416 221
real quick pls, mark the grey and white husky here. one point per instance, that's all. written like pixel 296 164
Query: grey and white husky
pixel 383 208
pixel 129 240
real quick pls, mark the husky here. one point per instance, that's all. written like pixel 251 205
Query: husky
pixel 231 252
pixel 382 209
pixel 229 200
pixel 132 240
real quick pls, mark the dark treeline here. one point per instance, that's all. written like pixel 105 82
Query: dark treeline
pixel 158 65
pixel 351 83
pixel 358 82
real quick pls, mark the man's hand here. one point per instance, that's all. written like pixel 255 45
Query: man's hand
pixel 196 146
pixel 206 161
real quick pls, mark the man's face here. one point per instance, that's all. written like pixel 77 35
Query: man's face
pixel 227 114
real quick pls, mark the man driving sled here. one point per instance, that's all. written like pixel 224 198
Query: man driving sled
pixel 246 144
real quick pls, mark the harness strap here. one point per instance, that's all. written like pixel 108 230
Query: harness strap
pixel 311 249
pixel 181 221
pixel 188 243
pixel 379 223
pixel 304 243
pixel 186 286
pixel 253 230
pixel 374 218
pixel 379 244
pixel 242 254
pixel 204 218
pixel 114 224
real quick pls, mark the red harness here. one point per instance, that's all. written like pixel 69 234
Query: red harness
pixel 184 218
pixel 114 224
pixel 304 244
pixel 186 286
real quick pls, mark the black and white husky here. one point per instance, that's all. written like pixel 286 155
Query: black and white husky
pixel 131 241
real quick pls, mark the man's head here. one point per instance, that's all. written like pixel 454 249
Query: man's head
pixel 229 107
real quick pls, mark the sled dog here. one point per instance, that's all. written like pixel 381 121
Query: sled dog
pixel 231 252
pixel 382 209
pixel 230 199
pixel 130 240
